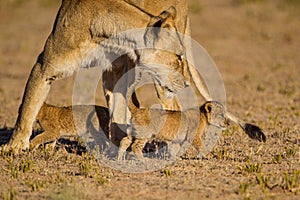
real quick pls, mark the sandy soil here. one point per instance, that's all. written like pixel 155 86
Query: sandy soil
pixel 256 46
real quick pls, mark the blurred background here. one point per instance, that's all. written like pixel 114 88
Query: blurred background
pixel 255 44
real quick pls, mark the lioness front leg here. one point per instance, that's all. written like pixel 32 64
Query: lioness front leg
pixel 115 83
pixel 37 88
pixel 36 91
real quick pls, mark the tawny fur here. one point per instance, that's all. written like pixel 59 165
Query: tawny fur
pixel 171 127
pixel 71 121
pixel 79 39
pixel 176 126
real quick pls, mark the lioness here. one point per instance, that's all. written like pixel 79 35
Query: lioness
pixel 173 127
pixel 72 121
pixel 79 39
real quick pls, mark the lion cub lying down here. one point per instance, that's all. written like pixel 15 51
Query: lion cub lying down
pixel 178 129
pixel 71 121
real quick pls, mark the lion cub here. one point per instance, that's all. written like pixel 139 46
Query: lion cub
pixel 173 127
pixel 71 121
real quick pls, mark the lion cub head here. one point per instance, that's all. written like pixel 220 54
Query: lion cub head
pixel 214 113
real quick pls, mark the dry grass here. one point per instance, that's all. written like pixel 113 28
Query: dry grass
pixel 256 46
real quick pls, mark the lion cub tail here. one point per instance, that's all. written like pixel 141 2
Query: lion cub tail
pixel 253 131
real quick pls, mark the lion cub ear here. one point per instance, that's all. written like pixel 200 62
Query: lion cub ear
pixel 208 107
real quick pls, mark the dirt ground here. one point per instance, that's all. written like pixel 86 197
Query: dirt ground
pixel 255 44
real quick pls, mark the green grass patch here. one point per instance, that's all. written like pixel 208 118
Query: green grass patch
pixel 167 172
pixel 291 180
pixel 243 187
pixel 10 194
pixel 252 168
pixel 35 185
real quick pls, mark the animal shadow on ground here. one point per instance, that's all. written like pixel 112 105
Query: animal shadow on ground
pixel 5 134
pixel 70 144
